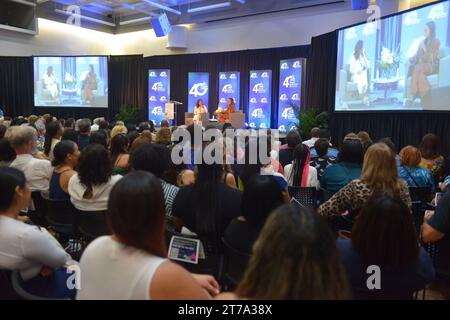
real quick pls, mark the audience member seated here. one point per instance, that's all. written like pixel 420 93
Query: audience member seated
pixel 384 235
pixel 444 185
pixel 133 135
pixel 69 124
pixel 348 167
pixel 379 174
pixel 388 141
pixel 132 263
pixel 255 162
pixel 164 136
pixel 89 189
pixel 259 199
pixel 315 135
pixel 287 155
pixel 144 138
pixel 208 206
pixel 7 153
pixel 299 173
pixel 37 172
pixel 29 249
pixel 294 249
pixel 323 160
pixel 366 141
pixel 2 131
pixel 155 159
pixel 410 171
pixel 430 149
pixel 435 229
pixel 165 124
pixel 53 134
pixel 84 130
pixel 64 162
pixel 119 153
pixel 70 134
pixel 99 137
pixel 118 128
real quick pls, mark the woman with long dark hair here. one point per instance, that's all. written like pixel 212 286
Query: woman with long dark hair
pixel 384 235
pixel 132 263
pixel 64 163
pixel 53 133
pixel 89 189
pixel 119 153
pixel 299 173
pixel 207 206
pixel 294 258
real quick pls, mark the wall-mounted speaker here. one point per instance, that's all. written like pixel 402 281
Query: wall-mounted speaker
pixel 177 38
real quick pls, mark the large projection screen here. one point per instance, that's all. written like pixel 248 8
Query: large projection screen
pixel 77 81
pixel 401 62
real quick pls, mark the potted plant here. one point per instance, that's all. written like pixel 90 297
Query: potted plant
pixel 127 114
pixel 308 119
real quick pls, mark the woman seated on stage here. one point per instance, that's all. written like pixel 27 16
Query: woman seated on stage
pixel 198 110
pixel 225 115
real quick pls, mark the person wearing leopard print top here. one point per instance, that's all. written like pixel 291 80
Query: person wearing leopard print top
pixel 379 173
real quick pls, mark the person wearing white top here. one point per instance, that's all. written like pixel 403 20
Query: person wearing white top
pixel 199 109
pixel 37 171
pixel 132 263
pixel 100 194
pixel 296 169
pixel 89 189
pixel 29 249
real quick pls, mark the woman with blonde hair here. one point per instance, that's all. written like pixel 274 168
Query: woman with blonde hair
pixel 119 128
pixel 379 173
pixel 294 258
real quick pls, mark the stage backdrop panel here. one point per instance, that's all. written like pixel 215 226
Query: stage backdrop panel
pixel 290 92
pixel 158 94
pixel 198 84
pixel 229 84
pixel 260 99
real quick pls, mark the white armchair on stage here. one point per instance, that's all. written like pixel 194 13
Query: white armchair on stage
pixel 189 118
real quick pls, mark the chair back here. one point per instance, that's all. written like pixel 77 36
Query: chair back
pixel 92 224
pixel 235 263
pixel 6 290
pixel 420 193
pixel 61 216
pixel 40 208
pixel 307 196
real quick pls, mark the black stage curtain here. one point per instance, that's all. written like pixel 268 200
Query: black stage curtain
pixel 242 61
pixel 16 85
pixel 126 86
pixel 404 128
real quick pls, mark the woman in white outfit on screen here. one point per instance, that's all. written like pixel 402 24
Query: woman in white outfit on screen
pixel 198 110
pixel 359 68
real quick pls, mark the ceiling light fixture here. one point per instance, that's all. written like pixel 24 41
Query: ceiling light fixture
pixel 210 7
